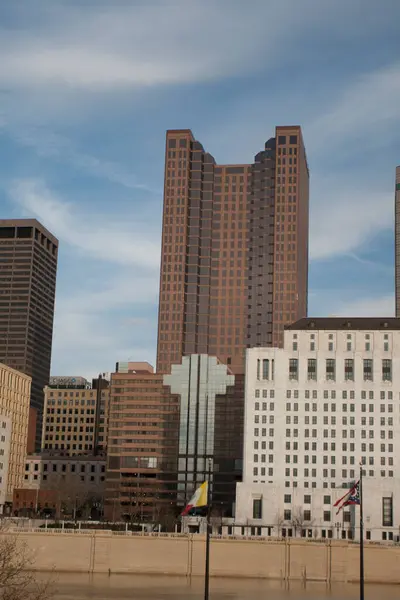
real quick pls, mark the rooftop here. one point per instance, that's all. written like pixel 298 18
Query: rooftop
pixel 353 323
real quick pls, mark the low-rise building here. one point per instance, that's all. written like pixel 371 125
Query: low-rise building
pixel 314 409
pixel 68 484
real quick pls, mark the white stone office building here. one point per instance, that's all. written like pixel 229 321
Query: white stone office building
pixel 313 410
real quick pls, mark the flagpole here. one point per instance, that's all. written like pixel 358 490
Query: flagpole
pixel 361 537
pixel 207 566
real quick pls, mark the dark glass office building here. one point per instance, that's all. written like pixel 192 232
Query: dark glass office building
pixel 28 267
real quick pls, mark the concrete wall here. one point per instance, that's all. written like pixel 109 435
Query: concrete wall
pixel 103 552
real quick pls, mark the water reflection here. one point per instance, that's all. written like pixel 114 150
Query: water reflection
pixel 121 587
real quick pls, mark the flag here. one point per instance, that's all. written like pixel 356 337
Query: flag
pixel 352 497
pixel 198 502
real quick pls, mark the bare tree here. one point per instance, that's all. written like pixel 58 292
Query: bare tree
pixel 297 521
pixel 74 496
pixel 17 581
pixel 279 520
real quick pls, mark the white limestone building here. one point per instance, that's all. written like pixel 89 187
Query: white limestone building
pixel 5 446
pixel 313 410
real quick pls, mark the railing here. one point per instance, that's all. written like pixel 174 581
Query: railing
pixel 191 536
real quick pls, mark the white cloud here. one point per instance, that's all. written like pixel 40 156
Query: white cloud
pixel 118 45
pixel 124 242
pixel 367 105
pixel 50 145
pixel 343 217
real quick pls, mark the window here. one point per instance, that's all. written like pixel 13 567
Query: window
pixel 387 512
pixel 293 369
pixel 307 499
pixel 294 346
pixel 258 368
pixel 312 369
pixel 307 515
pixel 265 369
pixel 287 514
pixel 327 499
pixel 327 516
pixel 287 498
pixel 330 369
pixel 368 369
pixel 349 369
pixel 330 346
pixel 387 369
pixel 257 508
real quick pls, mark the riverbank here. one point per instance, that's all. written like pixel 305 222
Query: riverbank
pixel 122 587
pixel 290 559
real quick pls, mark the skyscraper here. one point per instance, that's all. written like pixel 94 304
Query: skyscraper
pixel 397 238
pixel 234 262
pixel 28 267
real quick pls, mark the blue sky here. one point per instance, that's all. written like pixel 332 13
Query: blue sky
pixel 87 90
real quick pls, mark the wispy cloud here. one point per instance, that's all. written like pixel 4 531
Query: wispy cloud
pixel 123 242
pixel 344 217
pixel 119 44
pixel 59 148
pixel 367 105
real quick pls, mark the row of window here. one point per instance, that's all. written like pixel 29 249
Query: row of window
pixel 349 344
pixel 295 393
pixel 326 433
pixel 312 473
pixel 265 369
pixel 349 371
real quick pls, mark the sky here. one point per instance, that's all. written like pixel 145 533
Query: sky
pixel 88 89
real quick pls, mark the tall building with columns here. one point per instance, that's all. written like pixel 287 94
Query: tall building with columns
pixel 314 409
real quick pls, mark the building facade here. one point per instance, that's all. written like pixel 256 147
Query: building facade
pixel 28 270
pixel 75 416
pixel 397 240
pixel 209 426
pixel 61 486
pixel 46 471
pixel 15 393
pixel 313 410
pixel 142 445
pixel 234 261
pixel 5 448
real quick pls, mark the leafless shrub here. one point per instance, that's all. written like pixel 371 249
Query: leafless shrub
pixel 17 580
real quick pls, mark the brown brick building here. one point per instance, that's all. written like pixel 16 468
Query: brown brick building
pixel 234 262
pixel 142 445
pixel 28 267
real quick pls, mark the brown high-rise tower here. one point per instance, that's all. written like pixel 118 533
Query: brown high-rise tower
pixel 234 263
pixel 28 267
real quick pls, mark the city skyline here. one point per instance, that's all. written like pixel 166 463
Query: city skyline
pixel 76 134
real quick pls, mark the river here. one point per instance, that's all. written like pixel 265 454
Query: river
pixel 121 587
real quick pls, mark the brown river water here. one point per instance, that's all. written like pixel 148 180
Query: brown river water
pixel 121 587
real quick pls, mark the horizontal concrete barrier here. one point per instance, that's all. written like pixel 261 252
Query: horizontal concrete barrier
pixel 98 551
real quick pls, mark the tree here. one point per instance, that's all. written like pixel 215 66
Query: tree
pixel 279 520
pixel 75 498
pixel 297 519
pixel 17 581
